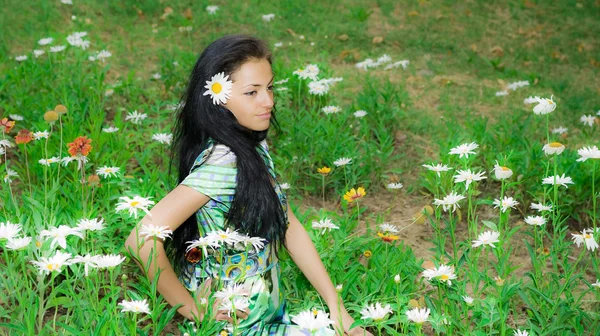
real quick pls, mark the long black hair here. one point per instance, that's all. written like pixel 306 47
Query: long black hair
pixel 256 209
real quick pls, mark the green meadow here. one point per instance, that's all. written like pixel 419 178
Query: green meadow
pixel 481 88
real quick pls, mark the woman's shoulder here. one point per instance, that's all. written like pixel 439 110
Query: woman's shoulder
pixel 216 154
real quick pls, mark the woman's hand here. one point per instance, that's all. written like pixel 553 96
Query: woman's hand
pixel 347 321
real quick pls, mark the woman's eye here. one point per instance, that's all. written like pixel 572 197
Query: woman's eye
pixel 270 88
pixel 251 93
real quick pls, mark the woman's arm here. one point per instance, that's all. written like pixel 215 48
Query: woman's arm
pixel 171 211
pixel 305 255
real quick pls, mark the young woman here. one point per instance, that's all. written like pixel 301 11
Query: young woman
pixel 227 183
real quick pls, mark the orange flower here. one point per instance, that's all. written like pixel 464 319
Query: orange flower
pixel 23 137
pixel 7 125
pixel 80 146
pixel 355 194
pixel 387 237
pixel 324 171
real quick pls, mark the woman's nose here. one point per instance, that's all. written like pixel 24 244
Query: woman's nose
pixel 267 100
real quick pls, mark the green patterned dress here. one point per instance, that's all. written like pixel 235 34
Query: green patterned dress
pixel 215 176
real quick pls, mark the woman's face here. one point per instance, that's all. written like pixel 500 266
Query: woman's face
pixel 251 99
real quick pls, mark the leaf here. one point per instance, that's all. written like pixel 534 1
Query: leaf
pixel 490 225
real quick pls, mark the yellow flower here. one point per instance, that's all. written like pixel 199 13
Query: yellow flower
pixel 355 194
pixel 368 253
pixel 387 237
pixel 324 171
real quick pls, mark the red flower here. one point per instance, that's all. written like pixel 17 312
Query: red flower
pixel 194 255
pixel 23 137
pixel 7 125
pixel 80 146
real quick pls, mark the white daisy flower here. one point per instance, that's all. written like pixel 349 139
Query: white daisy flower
pixel 588 120
pixel 450 201
pixel 5 143
pixel 9 230
pixel 228 236
pixel 156 76
pixel 376 312
pixel 502 172
pixel 487 238
pixel 239 303
pixel 268 17
pixel 232 291
pixel 586 237
pixel 66 2
pixel 283 81
pixel 468 300
pixel 164 138
pixel 468 176
pixel 342 162
pixel 501 93
pixel 464 149
pixel 553 148
pixel 257 243
pixel 588 153
pixel 561 180
pixel 41 135
pixel 386 227
pixel 505 204
pixel 55 49
pixel 185 29
pixel 544 106
pixel 103 55
pixel 520 332
pixel 16 117
pixel 37 53
pixel 106 171
pixel 531 100
pixel 81 160
pixel 535 220
pixel 161 232
pixel 331 109
pixel 93 224
pixel 395 185
pixel 418 315
pixel 325 224
pixel 110 129
pixel 9 173
pixel 219 88
pixel 311 72
pixel 135 306
pixel 21 58
pixel 108 261
pixel 559 130
pixel 18 243
pixel 366 64
pixel 203 243
pixel 596 284
pixel 278 45
pixel 59 235
pixel 87 261
pixel 437 168
pixel 284 186
pixel 540 207
pixel 360 113
pixel 212 9
pixel 317 88
pixel 134 204
pixel 312 320
pixel 403 63
pixel 442 273
pixel 397 278
pixel 54 263
pixel 136 117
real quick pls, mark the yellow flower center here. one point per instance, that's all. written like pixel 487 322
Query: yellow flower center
pixel 216 88
pixel 444 277
pixel 505 168
pixel 555 145
pixel 134 203
pixel 223 236
pixel 587 236
pixel 51 267
pixel 549 101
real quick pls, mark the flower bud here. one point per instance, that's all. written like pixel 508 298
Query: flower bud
pixel 397 279
pixel 60 109
pixel 50 116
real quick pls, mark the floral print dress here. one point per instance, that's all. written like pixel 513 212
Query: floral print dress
pixel 215 176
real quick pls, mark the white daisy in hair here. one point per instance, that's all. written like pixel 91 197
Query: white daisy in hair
pixel 219 88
